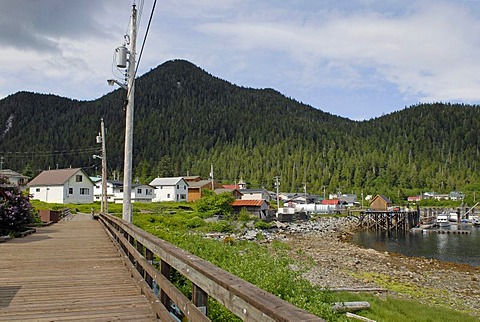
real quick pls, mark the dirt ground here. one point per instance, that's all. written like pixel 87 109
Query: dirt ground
pixel 339 264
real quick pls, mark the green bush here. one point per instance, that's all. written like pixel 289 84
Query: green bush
pixel 222 226
pixel 262 225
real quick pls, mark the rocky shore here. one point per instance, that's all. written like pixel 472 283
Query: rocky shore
pixel 341 265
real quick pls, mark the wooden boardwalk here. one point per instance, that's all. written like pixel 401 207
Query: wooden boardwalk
pixel 69 271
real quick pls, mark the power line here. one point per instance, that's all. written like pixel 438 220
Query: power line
pixel 145 37
pixel 18 154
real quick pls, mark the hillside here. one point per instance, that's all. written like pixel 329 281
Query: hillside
pixel 187 119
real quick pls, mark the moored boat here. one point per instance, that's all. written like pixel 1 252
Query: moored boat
pixel 443 220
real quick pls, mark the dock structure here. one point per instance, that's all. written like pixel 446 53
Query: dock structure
pixel 68 271
pixel 389 220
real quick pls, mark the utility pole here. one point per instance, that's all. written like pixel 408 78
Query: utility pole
pixel 277 185
pixel 211 176
pixel 104 169
pixel 127 172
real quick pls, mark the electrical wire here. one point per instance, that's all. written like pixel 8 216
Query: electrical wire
pixel 145 38
pixel 30 154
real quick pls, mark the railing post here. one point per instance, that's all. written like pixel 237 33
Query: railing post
pixel 131 240
pixel 200 299
pixel 165 269
pixel 140 250
pixel 146 276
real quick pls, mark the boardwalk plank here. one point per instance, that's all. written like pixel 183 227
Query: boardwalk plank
pixel 69 271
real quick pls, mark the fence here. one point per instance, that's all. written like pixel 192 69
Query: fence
pixel 242 298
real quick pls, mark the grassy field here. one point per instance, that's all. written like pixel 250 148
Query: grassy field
pixel 267 266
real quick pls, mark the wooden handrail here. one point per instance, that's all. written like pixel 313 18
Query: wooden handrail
pixel 242 298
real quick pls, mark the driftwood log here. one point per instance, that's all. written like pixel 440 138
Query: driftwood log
pixel 350 306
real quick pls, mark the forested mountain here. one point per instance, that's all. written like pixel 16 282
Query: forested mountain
pixel 186 120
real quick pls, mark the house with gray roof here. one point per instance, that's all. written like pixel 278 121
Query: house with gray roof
pixel 62 186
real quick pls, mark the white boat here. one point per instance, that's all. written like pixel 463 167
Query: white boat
pixel 453 217
pixel 443 220
pixel 475 220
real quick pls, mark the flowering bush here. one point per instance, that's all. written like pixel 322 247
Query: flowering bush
pixel 15 208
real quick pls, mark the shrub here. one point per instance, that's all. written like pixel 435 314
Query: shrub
pixel 262 225
pixel 15 209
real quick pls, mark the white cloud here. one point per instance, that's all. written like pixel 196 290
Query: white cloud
pixel 429 52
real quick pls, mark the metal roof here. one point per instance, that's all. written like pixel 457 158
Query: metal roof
pixel 171 181
pixel 247 203
pixel 55 177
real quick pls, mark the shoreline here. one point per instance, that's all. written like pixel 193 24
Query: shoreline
pixel 340 264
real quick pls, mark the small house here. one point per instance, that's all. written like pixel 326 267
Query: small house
pixel 255 194
pixel 62 186
pixel 258 208
pixel 235 192
pixel 14 178
pixel 380 203
pixel 170 189
pixel 196 188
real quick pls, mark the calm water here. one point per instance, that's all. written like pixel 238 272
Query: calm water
pixel 461 248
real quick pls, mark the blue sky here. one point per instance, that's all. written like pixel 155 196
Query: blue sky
pixel 358 59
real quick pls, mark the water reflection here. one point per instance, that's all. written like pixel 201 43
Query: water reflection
pixel 460 248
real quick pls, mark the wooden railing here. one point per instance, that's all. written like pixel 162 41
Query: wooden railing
pixel 248 302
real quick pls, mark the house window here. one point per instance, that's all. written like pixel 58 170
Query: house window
pixel 149 192
pixel 70 191
pixel 168 195
pixel 178 186
pixel 139 190
pixel 78 178
pixel 121 190
pixel 177 197
pixel 184 187
pixel 182 196
pixel 161 187
pixel 84 191
pixel 37 190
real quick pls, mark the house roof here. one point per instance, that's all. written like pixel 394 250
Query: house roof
pixel 222 190
pixel 11 174
pixel 199 184
pixel 231 186
pixel 54 177
pixel 170 181
pixel 192 178
pixel 247 203
pixel 330 202
pixel 384 198
pixel 253 190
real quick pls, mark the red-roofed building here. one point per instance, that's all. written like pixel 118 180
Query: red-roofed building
pixel 231 186
pixel 331 202
pixel 257 207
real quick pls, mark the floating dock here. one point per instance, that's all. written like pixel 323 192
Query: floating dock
pixel 440 231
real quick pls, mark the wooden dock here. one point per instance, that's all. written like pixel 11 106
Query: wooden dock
pixel 68 271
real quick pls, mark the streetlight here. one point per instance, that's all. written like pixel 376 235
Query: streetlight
pixel 112 82
pixel 103 157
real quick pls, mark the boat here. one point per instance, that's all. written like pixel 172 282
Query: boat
pixel 475 220
pixel 443 220
pixel 453 217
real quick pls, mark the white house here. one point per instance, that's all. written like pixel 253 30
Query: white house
pixel 62 186
pixel 14 177
pixel 140 192
pixel 255 194
pixel 170 189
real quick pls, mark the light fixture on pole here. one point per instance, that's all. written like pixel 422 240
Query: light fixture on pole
pixel 112 82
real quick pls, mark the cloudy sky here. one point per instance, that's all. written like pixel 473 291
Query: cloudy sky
pixel 353 58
